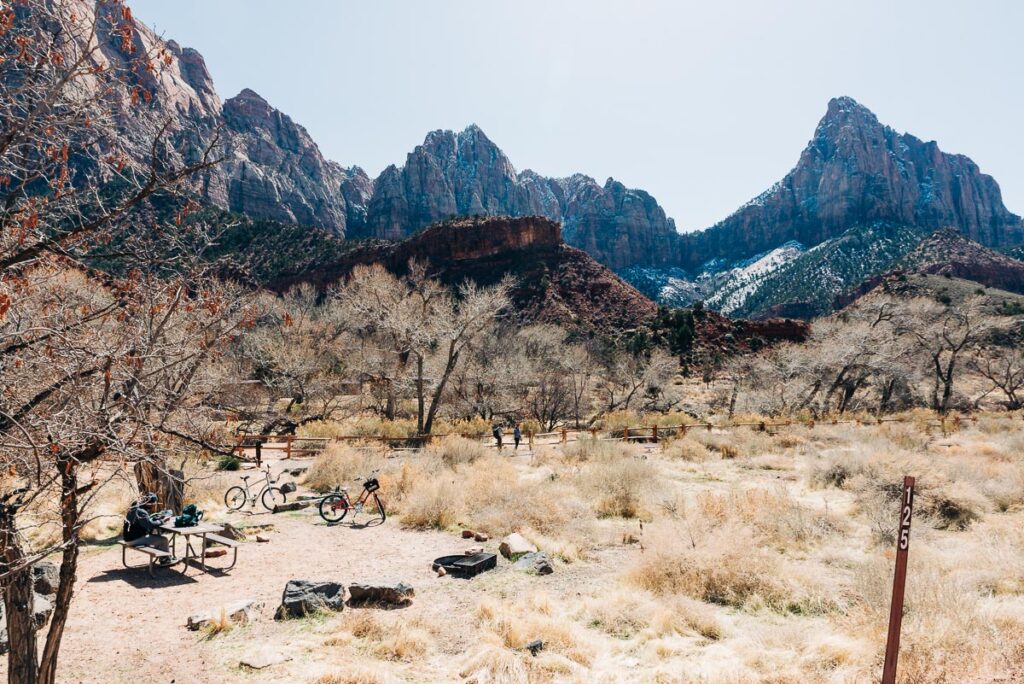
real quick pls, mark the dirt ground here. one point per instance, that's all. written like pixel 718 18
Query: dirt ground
pixel 127 627
pixel 966 602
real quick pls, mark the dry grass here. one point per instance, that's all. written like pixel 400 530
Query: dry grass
pixel 339 464
pixel 454 451
pixel 726 556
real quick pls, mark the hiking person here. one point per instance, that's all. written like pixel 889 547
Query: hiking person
pixel 143 528
pixel 497 435
pixel 517 436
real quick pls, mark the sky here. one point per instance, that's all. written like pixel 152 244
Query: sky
pixel 702 104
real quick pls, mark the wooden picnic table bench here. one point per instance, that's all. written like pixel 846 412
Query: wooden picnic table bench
pixel 207 533
pixel 151 551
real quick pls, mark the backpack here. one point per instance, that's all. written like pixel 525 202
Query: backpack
pixel 189 517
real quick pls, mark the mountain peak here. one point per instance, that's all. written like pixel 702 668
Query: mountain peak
pixel 844 112
pixel 473 130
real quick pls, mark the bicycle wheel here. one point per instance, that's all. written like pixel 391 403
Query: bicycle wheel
pixel 273 496
pixel 234 498
pixel 376 509
pixel 334 508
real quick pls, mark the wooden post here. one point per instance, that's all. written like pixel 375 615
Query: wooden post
pixel 565 436
pixel 899 581
pixel 529 437
pixel 654 433
pixel 593 433
pixel 288 447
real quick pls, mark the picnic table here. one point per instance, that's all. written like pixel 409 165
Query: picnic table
pixel 206 532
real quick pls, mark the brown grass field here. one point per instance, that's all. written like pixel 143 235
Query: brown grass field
pixel 723 556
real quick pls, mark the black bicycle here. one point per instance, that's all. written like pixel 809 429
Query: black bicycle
pixel 336 505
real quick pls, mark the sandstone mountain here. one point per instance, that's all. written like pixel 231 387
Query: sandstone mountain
pixel 948 253
pixel 554 283
pixel 854 175
pixel 466 174
pixel 856 171
pixel 272 169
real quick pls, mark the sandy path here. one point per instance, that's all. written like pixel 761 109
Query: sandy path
pixel 125 626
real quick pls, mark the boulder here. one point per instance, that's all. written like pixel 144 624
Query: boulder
pixel 399 594
pixel 262 657
pixel 468 534
pixel 480 537
pixel 46 576
pixel 538 563
pixel 302 597
pixel 261 539
pixel 41 610
pixel 515 545
pixel 239 613
pixel 232 532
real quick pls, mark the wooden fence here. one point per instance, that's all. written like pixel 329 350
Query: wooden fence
pixel 293 446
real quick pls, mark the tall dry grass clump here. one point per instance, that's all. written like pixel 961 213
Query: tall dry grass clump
pixel 454 451
pixel 340 464
pixel 725 568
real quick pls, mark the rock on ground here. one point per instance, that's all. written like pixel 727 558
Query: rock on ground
pixel 539 563
pixel 262 657
pixel 42 609
pixel 399 594
pixel 239 613
pixel 46 576
pixel 302 597
pixel 515 545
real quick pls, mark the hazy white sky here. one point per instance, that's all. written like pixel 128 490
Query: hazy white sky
pixel 703 104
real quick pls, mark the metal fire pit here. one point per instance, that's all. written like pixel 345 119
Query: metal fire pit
pixel 466 566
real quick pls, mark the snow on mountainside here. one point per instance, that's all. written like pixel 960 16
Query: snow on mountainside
pixel 721 284
pixel 737 284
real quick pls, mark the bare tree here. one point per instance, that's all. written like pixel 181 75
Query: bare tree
pixel 943 332
pixel 92 366
pixel 627 377
pixel 297 353
pixel 424 324
pixel 1004 368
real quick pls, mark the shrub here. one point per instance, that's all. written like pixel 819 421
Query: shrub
pixel 435 504
pixel 454 451
pixel 590 449
pixel 687 450
pixel 226 462
pixel 472 427
pixel 619 485
pixel 726 568
pixel 336 465
pixel 375 426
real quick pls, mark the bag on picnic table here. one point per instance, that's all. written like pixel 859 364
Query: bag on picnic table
pixel 189 517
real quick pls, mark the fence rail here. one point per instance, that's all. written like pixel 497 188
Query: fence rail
pixel 294 445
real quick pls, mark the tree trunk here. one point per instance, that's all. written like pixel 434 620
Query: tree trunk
pixel 947 385
pixel 70 525
pixel 435 401
pixel 166 484
pixel 22 663
pixel 390 405
pixel 419 396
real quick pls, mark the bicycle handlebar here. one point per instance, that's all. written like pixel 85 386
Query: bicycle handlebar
pixel 371 474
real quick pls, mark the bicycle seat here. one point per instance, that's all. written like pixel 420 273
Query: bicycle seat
pixel 246 477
